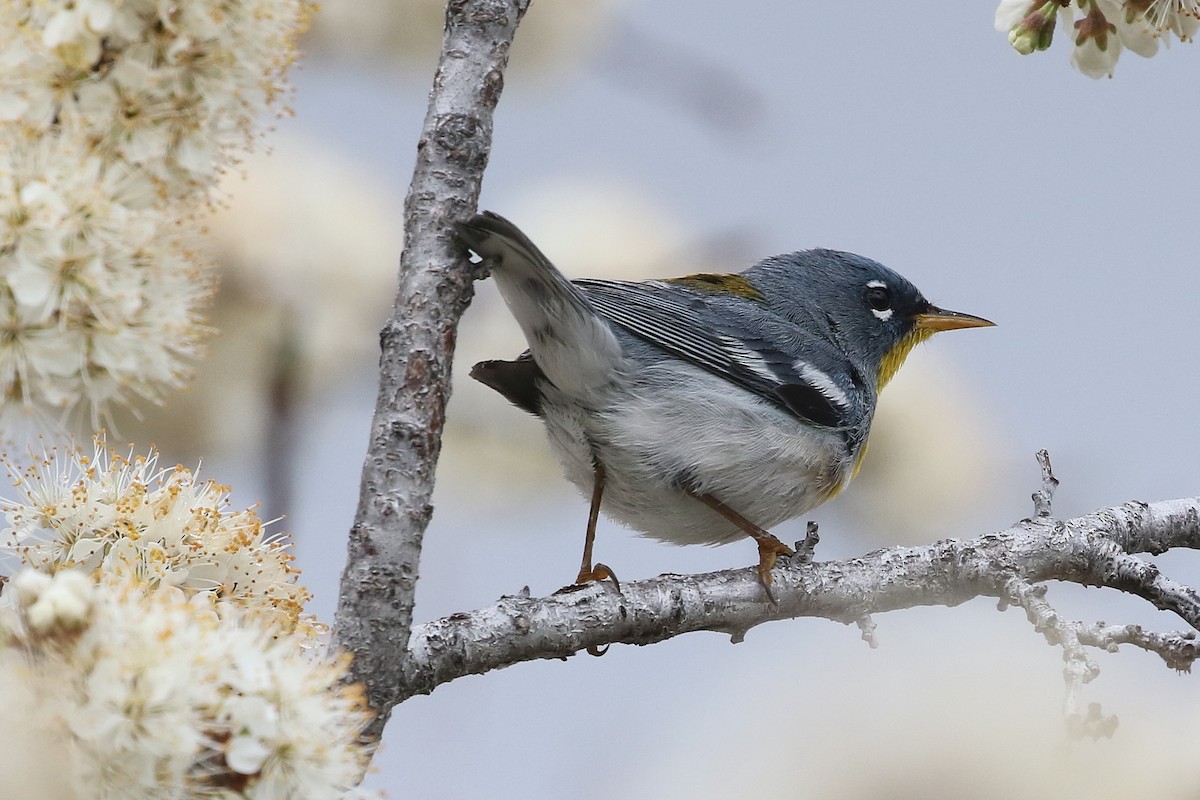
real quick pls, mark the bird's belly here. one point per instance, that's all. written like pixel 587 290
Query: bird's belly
pixel 665 436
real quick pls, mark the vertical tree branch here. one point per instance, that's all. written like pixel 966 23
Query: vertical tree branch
pixel 375 605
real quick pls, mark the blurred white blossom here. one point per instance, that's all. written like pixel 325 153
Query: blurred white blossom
pixel 152 694
pixel 292 328
pixel 1099 29
pixel 174 89
pixel 99 295
pixel 116 119
pixel 122 518
pixel 554 39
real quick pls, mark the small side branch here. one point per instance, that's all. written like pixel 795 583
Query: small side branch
pixel 1078 667
pixel 1043 499
pixel 1178 650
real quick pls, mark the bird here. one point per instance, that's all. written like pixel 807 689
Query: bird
pixel 710 407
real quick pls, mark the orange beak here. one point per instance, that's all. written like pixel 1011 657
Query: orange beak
pixel 939 319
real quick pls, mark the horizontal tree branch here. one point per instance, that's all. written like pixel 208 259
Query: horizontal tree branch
pixel 1094 550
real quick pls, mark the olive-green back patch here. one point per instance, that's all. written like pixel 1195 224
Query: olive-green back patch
pixel 719 284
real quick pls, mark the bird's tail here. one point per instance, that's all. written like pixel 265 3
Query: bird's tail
pixel 574 346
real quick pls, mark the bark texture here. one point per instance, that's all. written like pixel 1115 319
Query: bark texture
pixel 374 615
pixel 1096 550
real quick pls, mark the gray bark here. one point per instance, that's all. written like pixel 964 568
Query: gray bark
pixel 374 615
pixel 1095 550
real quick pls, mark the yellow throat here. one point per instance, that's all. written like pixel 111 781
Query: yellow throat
pixel 895 357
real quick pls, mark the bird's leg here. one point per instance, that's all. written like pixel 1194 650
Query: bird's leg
pixel 769 547
pixel 599 572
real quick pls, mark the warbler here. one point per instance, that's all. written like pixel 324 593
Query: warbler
pixel 704 408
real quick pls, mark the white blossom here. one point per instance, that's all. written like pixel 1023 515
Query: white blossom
pixel 103 296
pixel 116 119
pixel 1099 29
pixel 1181 17
pixel 1097 45
pixel 150 694
pixel 123 518
pixel 152 83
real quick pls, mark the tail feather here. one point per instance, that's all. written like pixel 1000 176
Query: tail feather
pixel 571 344
pixel 516 380
pixel 496 239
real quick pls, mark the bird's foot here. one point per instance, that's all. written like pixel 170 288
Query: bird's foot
pixel 600 572
pixel 769 549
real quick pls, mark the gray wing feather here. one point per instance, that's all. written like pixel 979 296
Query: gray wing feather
pixel 682 322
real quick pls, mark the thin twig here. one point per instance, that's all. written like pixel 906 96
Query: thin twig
pixel 1178 649
pixel 806 549
pixel 1043 499
pixel 1079 667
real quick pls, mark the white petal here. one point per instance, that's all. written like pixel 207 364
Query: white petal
pixel 1010 12
pixel 61 28
pixel 42 199
pixel 245 754
pixel 83 551
pixel 1094 62
pixel 55 352
pixel 116 351
pixel 1185 26
pixel 12 106
pixel 31 284
pixel 99 14
pixel 1138 35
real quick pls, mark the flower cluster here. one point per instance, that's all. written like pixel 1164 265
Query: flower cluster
pixel 116 119
pixel 150 694
pixel 99 295
pixel 169 89
pixel 123 519
pixel 164 639
pixel 1099 29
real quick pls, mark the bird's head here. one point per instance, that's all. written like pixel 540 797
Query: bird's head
pixel 872 313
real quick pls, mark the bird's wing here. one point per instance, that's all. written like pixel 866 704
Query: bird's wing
pixel 775 362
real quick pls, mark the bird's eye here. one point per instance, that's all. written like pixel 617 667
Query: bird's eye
pixel 879 298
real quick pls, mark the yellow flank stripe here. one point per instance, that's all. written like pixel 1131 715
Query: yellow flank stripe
pixel 725 284
pixel 862 453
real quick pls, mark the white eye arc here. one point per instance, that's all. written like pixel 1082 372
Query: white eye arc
pixel 879 298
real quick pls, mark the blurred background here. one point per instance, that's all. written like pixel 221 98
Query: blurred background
pixel 656 139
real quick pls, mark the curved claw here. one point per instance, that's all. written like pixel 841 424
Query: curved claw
pixel 599 572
